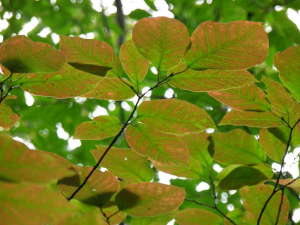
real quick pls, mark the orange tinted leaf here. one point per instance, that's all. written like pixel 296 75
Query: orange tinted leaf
pixel 249 98
pixel 161 40
pixel 162 147
pixel 29 204
pixel 110 209
pixel 100 128
pixel 292 183
pixel 237 147
pixel 16 38
pixel 235 45
pixel 7 117
pixel 111 89
pixel 251 119
pixel 174 116
pixel 288 63
pixel 66 83
pixel 89 52
pixel 23 56
pixel 254 199
pixel 125 163
pixel 134 64
pixel 20 164
pixel 157 220
pixel 195 216
pixel 98 189
pixel 149 199
pixel 84 219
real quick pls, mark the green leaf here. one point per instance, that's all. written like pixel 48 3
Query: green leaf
pixel 292 183
pixel 67 82
pixel 88 218
pixel 174 116
pixel 91 53
pixel 235 45
pixel 23 56
pixel 111 89
pixel 7 117
pixel 111 210
pixel 157 220
pixel 20 164
pixel 236 177
pixel 251 119
pixel 139 14
pixel 125 163
pixel 134 64
pixel 161 40
pixel 100 128
pixel 254 199
pixel 288 63
pixel 98 189
pixel 249 98
pixel 237 147
pixel 162 147
pixel 195 216
pixel 149 199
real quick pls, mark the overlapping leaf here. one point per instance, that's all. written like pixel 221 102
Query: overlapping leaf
pixel 235 45
pixel 134 64
pixel 87 218
pixel 237 147
pixel 161 40
pixel 149 199
pixel 174 116
pixel 7 117
pixel 194 216
pixel 162 147
pixel 100 128
pixel 157 220
pixel 125 163
pixel 288 63
pixel 291 183
pixel 111 211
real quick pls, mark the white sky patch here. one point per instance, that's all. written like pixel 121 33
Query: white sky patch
pixel 172 222
pixel 209 108
pixel 210 130
pixel 202 186
pixel 99 111
pixel 96 5
pixel 232 192
pixel 126 106
pixel 3 25
pixel 169 93
pixel 80 100
pixel 1 38
pixel 55 38
pixel 224 197
pixel 131 5
pixel 217 168
pixel 199 2
pixel 45 32
pixel 230 207
pixel 28 98
pixel 29 26
pixel 111 106
pixel 110 10
pixel 165 178
pixel 153 70
pixel 73 143
pixel 102 169
pixel 90 35
pixel 134 99
pixel 296 215
pixel 145 89
pixel 61 133
pixel 294 16
pixel 27 143
pixel 278 8
pixel 7 15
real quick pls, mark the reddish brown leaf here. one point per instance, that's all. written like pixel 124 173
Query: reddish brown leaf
pixel 7 117
pixel 195 216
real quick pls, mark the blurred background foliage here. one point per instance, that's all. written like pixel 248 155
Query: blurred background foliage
pixel 49 124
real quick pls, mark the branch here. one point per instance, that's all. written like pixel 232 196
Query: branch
pixel 279 209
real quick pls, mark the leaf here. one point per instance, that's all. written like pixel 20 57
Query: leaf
pixel 209 80
pixel 195 216
pixel 235 45
pixel 158 220
pixel 111 210
pixel 161 40
pixel 149 199
pixel 236 177
pixel 7 117
pixel 32 204
pixel 138 14
pixel 174 116
pixel 100 128
pixel 288 63
pixel 134 64
pixel 237 147
pixel 67 82
pixel 125 163
pixel 162 147
pixel 91 53
pixel 292 183
pixel 111 89
pixel 98 189
pixel 280 99
pixel 254 199
pixel 248 98
pixel 20 164
pixel 23 56
pixel 251 119
pixel 84 219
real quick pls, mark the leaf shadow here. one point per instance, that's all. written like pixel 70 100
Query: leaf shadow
pixel 93 69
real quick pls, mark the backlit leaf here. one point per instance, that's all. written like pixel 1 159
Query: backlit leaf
pixel 20 164
pixel 195 216
pixel 98 189
pixel 89 52
pixel 149 199
pixel 111 210
pixel 288 63
pixel 134 64
pixel 235 45
pixel 292 183
pixel 7 117
pixel 249 98
pixel 100 128
pixel 111 89
pixel 157 220
pixel 174 116
pixel 88 218
pixel 125 163
pixel 67 82
pixel 23 56
pixel 251 119
pixel 162 147
pixel 161 40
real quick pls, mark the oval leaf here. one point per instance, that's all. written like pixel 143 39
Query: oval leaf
pixel 195 216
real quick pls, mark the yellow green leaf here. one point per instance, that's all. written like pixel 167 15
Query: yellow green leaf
pixel 7 117
pixel 292 183
pixel 194 216
pixel 111 210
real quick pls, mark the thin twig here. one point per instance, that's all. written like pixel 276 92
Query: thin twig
pixel 279 209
